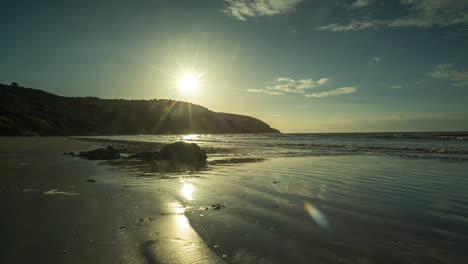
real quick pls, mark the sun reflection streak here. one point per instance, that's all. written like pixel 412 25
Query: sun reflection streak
pixel 182 222
pixel 187 190
pixel 181 219
pixel 188 138
pixel 179 209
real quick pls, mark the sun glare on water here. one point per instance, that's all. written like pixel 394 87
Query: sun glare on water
pixel 188 84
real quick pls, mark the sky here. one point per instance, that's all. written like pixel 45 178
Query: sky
pixel 299 65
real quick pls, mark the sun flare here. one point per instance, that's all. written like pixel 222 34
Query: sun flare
pixel 188 84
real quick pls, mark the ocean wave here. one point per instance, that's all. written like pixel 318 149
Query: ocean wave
pixel 446 146
pixel 378 147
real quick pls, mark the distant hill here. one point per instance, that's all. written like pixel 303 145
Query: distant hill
pixel 28 112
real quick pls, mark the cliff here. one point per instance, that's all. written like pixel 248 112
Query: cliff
pixel 26 111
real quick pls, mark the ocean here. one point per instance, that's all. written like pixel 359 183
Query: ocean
pixel 442 146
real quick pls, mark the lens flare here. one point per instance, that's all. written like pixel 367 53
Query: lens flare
pixel 316 215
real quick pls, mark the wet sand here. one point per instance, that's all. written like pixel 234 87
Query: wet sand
pixel 342 209
pixel 51 213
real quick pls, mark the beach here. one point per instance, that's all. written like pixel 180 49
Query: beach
pixel 283 209
pixel 51 213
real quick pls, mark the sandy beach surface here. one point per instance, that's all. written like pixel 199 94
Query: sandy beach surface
pixel 332 209
pixel 51 213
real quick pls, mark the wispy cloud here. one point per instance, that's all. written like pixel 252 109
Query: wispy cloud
pixel 263 91
pixel 361 3
pixel 444 71
pixel 375 60
pixel 283 85
pixel 419 13
pixel 244 9
pixel 427 13
pixel 337 91
pixel 352 26
pixel 295 86
pixel 396 86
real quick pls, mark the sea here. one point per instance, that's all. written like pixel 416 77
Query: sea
pixel 441 146
pixel 327 197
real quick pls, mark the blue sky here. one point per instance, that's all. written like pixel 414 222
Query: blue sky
pixel 299 65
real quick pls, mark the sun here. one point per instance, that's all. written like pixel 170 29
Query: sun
pixel 188 83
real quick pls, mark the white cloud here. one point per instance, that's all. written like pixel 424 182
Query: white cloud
pixel 444 71
pixel 396 86
pixel 322 81
pixel 352 26
pixel 375 60
pixel 295 86
pixel 284 85
pixel 283 79
pixel 244 9
pixel 420 13
pixel 263 91
pixel 337 91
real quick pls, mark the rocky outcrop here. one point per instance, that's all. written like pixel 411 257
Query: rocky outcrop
pixel 107 153
pixel 181 154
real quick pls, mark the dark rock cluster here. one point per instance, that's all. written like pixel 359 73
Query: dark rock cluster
pixel 107 153
pixel 175 156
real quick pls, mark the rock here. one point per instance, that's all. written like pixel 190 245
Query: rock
pixel 183 154
pixel 143 220
pixel 64 252
pixel 217 207
pixel 101 154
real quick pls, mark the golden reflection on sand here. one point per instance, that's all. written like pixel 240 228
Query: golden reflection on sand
pixel 187 190
pixel 183 224
pixel 177 241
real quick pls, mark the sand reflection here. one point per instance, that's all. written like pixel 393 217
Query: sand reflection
pixel 187 190
pixel 180 243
